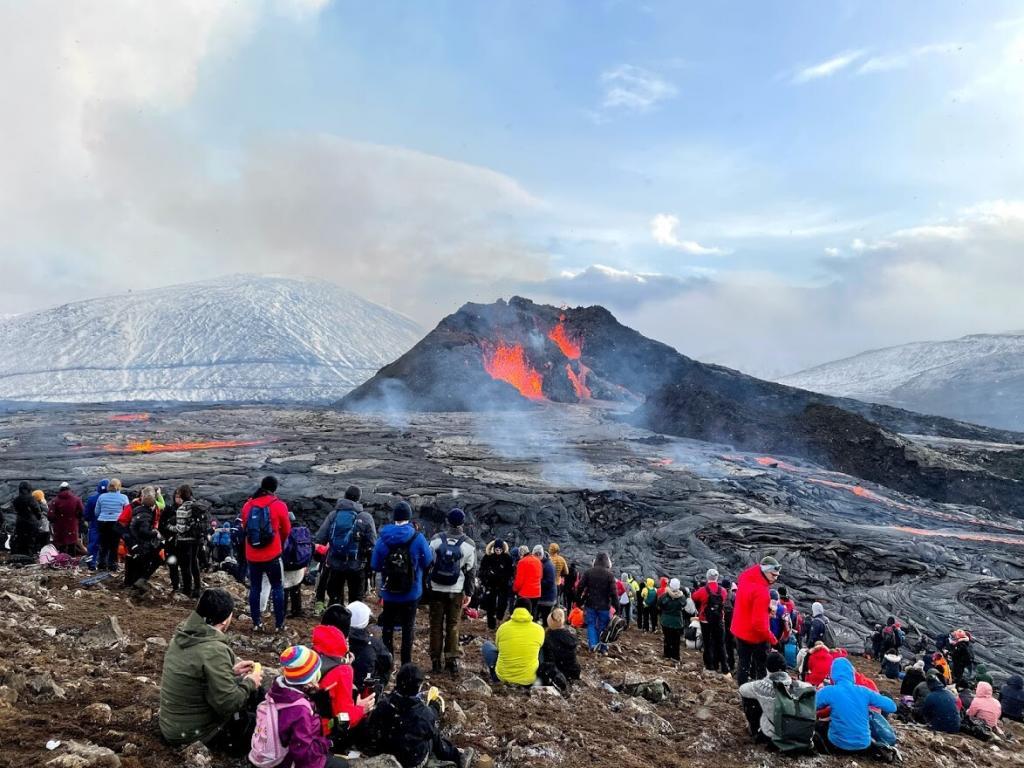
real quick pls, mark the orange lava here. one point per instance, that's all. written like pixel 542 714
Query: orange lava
pixel 507 362
pixel 1019 541
pixel 579 380
pixel 130 417
pixel 148 446
pixel 571 348
pixel 661 462
pixel 768 461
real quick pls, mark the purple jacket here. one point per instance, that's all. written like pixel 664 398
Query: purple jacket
pixel 299 729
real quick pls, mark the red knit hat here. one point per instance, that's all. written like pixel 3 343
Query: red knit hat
pixel 329 641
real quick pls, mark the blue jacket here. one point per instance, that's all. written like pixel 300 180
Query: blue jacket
pixel 109 506
pixel 89 512
pixel 422 556
pixel 778 621
pixel 817 632
pixel 548 586
pixel 939 709
pixel 849 727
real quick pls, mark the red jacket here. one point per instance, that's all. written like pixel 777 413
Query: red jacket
pixel 700 598
pixel 819 665
pixel 65 513
pixel 330 642
pixel 529 571
pixel 662 587
pixel 750 613
pixel 279 522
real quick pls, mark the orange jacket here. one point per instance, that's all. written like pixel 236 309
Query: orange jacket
pixel 529 572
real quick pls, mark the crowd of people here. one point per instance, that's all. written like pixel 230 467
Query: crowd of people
pixel 798 687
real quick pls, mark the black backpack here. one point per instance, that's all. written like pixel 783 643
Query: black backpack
pixel 828 637
pixel 794 718
pixel 714 609
pixel 615 628
pixel 258 530
pixel 447 562
pixel 399 573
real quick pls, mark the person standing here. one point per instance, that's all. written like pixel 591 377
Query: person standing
pixel 548 587
pixel 451 582
pixel 89 516
pixel 266 526
pixel 597 593
pixel 401 555
pixel 66 516
pixel 191 522
pixel 730 641
pixel 750 619
pixel 625 598
pixel 350 534
pixel 671 606
pixel 109 507
pixel 529 572
pixel 496 575
pixel 710 601
pixel 561 568
pixel 27 518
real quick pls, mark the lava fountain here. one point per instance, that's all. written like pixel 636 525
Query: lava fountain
pixel 507 362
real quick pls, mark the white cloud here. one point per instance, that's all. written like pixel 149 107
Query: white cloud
pixel 615 288
pixel 828 67
pixel 833 252
pixel 635 89
pixel 664 230
pixel 995 211
pixel 861 246
pixel 932 232
pixel 903 59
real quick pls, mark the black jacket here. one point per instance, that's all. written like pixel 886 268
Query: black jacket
pixel 28 513
pixel 597 589
pixel 372 659
pixel 144 537
pixel 560 649
pixel 914 678
pixel 402 726
pixel 496 571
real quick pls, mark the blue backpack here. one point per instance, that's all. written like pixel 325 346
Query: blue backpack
pixel 345 540
pixel 222 537
pixel 258 530
pixel 447 562
pixel 298 549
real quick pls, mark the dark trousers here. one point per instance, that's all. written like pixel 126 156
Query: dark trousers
pixel 625 611
pixel 140 566
pixel 445 613
pixel 730 648
pixel 402 615
pixel 654 617
pixel 752 658
pixel 333 583
pixel 672 635
pixel 275 575
pixel 713 637
pixel 541 611
pixel 187 554
pixel 234 738
pixel 497 602
pixel 110 540
pixel 293 598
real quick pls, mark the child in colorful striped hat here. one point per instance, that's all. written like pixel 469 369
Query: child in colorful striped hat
pixel 288 730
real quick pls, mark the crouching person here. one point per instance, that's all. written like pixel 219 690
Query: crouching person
pixel 762 706
pixel 514 656
pixel 849 725
pixel 206 694
pixel 559 651
pixel 405 725
pixel 339 713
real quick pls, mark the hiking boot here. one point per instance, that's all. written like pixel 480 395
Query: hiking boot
pixel 466 757
pixel 435 666
pixel 453 667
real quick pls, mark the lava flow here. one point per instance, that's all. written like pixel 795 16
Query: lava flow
pixel 1015 540
pixel 507 362
pixel 579 380
pixel 148 446
pixel 130 417
pixel 571 348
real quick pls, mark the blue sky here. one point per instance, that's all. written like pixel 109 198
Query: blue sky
pixel 828 173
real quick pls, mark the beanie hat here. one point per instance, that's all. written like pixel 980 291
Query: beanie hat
pixel 64 485
pixel 674 585
pixel 919 664
pixel 300 665
pixel 456 517
pixel 770 565
pixel 329 641
pixel 711 575
pixel 215 605
pixel 556 619
pixel 538 551
pixel 409 680
pixel 353 493
pixel 360 614
pixel 402 511
pixel 269 484
pixel 817 609
pixel 775 662
pixel 773 594
pixel 499 545
pixel 891 621
pixel 339 616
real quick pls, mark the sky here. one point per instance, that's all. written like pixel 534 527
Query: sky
pixel 766 186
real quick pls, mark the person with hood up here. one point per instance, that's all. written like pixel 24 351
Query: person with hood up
pixel 649 595
pixel 529 574
pixel 962 657
pixel 939 710
pixel 65 515
pixel 759 697
pixel 89 517
pixel 43 532
pixel 819 623
pixel 401 555
pixel 598 594
pixel 371 659
pixel 625 599
pixel 408 728
pixel 892 664
pixel 336 684
pixel 913 678
pixel 711 600
pixel 1011 696
pixel 849 727
pixel 350 535
pixel 548 587
pixel 451 585
pixel 559 649
pixel 28 517
pixel 817 664
pixel 514 656
pixel 109 507
pixel 750 619
pixel 561 567
pixel 206 694
pixel 496 576
pixel 985 706
pixel 671 607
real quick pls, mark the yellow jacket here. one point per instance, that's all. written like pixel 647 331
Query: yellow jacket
pixel 519 641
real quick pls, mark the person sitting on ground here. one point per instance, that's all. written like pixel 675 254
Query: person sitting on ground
pixel 940 664
pixel 892 665
pixel 849 728
pixel 922 690
pixel 1011 696
pixel 559 651
pixel 372 662
pixel 406 727
pixel 298 727
pixel 985 706
pixel 913 678
pixel 939 710
pixel 982 675
pixel 671 607
pixel 759 697
pixel 514 656
pixel 206 694
pixel 341 715
pixel 817 664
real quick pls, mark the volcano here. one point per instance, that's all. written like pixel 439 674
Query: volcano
pixel 518 354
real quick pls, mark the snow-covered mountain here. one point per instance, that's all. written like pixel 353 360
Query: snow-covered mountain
pixel 236 338
pixel 977 378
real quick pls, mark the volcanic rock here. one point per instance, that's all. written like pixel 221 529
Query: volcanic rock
pixel 86 755
pixel 98 713
pixel 475 684
pixel 196 755
pixel 105 635
pixel 44 686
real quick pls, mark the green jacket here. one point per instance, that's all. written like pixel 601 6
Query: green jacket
pixel 198 690
pixel 672 605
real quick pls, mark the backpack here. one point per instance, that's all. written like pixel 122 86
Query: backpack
pixel 267 750
pixel 398 573
pixel 714 608
pixel 891 639
pixel 651 599
pixel 881 731
pixel 188 521
pixel 447 566
pixel 298 549
pixel 345 540
pixel 258 530
pixel 613 630
pixel 222 537
pixel 829 635
pixel 794 718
